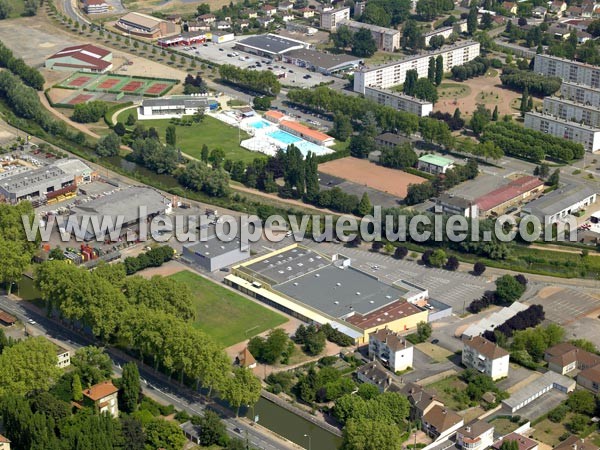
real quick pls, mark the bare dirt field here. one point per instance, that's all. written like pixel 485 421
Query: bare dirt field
pixel 58 95
pixel 487 90
pixel 178 6
pixel 366 173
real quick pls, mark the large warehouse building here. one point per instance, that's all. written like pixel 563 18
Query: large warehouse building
pixel 557 205
pixel 394 73
pixel 84 58
pixel 145 26
pixel 316 288
pixel 269 45
pixel 213 254
pixel 326 63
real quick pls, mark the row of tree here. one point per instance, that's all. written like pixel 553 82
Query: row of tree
pixel 89 112
pixel 361 43
pixel 531 317
pixel 30 75
pixel 155 257
pixel 475 68
pixel 263 81
pixel 536 83
pixel 424 88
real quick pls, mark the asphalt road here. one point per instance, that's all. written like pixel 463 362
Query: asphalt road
pixel 154 383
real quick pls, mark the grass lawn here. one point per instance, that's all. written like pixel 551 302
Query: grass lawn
pixel 435 352
pixel 16 8
pixel 504 426
pixel 211 132
pixel 549 432
pixel 224 315
pixel 444 390
pixel 453 90
pixel 487 97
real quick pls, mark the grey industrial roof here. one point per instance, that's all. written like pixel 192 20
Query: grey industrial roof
pixel 32 178
pixel 452 200
pixel 270 43
pixel 328 61
pixel 215 247
pixel 189 102
pixel 559 199
pixel 289 264
pixel 493 320
pixel 72 166
pixel 536 386
pixel 392 138
pixel 338 291
pixel 125 203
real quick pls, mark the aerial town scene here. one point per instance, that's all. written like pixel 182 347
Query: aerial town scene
pixel 299 224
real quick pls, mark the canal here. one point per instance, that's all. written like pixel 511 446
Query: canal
pixel 270 415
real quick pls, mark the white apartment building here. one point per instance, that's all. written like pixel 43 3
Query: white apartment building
pixel 399 101
pixel 477 435
pixel 588 136
pixel 387 39
pixel 460 26
pixel 486 357
pixel 332 18
pixel 569 110
pixel 391 349
pixel 580 93
pixel 567 70
pixel 394 73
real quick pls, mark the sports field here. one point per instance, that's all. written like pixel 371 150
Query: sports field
pixel 366 173
pixel 117 84
pixel 212 132
pixel 224 315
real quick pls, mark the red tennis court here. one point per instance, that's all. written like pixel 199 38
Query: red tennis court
pixel 79 81
pixel 107 84
pixel 156 88
pixel 81 98
pixel 132 86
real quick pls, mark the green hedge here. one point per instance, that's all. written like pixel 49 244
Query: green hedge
pixel 113 109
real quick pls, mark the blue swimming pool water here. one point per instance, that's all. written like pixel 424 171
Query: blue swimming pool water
pixel 260 124
pixel 284 137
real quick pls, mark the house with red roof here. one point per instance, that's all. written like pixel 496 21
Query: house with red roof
pixel 104 397
pixel 83 58
pixel 518 191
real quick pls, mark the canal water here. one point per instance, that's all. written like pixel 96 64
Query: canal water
pixel 270 415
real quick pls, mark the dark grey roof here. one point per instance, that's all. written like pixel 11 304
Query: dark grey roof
pixel 452 200
pixel 190 429
pixel 215 247
pixel 559 199
pixel 326 61
pixel 288 265
pixel 270 43
pixel 188 102
pixel 32 178
pixel 392 138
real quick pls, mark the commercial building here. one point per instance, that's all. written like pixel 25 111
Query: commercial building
pixel 213 254
pixel 308 134
pixel 187 38
pixel 486 357
pixel 391 349
pixel 132 206
pixel 175 106
pixel 516 192
pixel 537 388
pixel 567 70
pixel 572 111
pixel 524 443
pixel 399 101
pixel 580 93
pixel 440 422
pixel 559 204
pixel 83 58
pixel 321 62
pixel 145 26
pixel 585 135
pixel 451 204
pixel 95 7
pixel 40 183
pixel 386 39
pixel 269 45
pixel 316 288
pixel 103 396
pixel 331 19
pixel 477 435
pixel 394 73
pixel 574 442
pixel 220 37
pixel 434 164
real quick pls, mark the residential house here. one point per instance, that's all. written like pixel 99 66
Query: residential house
pixel 285 6
pixel 392 349
pixel 287 16
pixel 583 37
pixel 452 204
pixel 420 400
pixel 559 31
pixel 265 21
pixel 306 13
pixel 196 25
pixel 250 13
pixel 4 443
pixel 243 24
pixel 104 397
pixel 539 12
pixel 208 18
pixel 390 140
pixel 511 7
pixel 269 10
pixel 191 431
pixel 440 422
pixel 245 359
pixel 558 7
pixel 63 357
pixel 576 443
pixel 587 9
pixel 434 164
pixel 374 373
pixel 477 435
pixel 590 379
pixel 565 357
pixel 523 442
pixel 574 11
pixel 223 25
pixel 486 357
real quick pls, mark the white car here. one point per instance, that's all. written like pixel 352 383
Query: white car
pixel 31 321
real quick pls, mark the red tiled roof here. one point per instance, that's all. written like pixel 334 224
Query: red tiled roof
pixel 505 193
pixel 100 390
pixel 298 127
pixel 95 2
pixel 393 311
pixel 4 440
pixel 523 442
pixel 79 48
pixel 275 114
pixel 7 318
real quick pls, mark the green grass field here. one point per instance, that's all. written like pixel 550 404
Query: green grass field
pixel 224 315
pixel 16 8
pixel 211 132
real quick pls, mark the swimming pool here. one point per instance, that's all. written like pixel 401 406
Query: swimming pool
pixel 259 124
pixel 284 137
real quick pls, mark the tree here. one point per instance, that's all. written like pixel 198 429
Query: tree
pixel 472 20
pixel 478 268
pixel 212 430
pixel 375 14
pixel 171 135
pixel 495 114
pixel 508 289
pixel 486 21
pixel 481 117
pixel 369 434
pixel 108 145
pixel 364 207
pixel 437 258
pixel 577 423
pixel 425 90
pixel 262 103
pixel 342 127
pixel 452 263
pixel 130 120
pixel 241 389
pixel 92 365
pixel 343 38
pixel 133 434
pixel 204 153
pixel 412 37
pixel 217 157
pixel 5 9
pixel 410 82
pixel 431 70
pixel 524 105
pixel 130 387
pixel 120 129
pixel 582 402
pixel 164 434
pixel 76 389
pixel 508 444
pixel 554 178
pixel 437 42
pixel 439 70
pixel 423 331
pixel 363 44
pixel 401 252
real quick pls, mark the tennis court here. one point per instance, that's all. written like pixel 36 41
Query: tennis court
pixel 80 81
pixel 156 89
pixel 80 98
pixel 115 84
pixel 132 86
pixel 108 83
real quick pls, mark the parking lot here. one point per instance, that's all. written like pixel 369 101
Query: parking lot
pixel 218 53
pixel 563 305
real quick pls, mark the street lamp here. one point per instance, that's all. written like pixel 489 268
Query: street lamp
pixel 309 441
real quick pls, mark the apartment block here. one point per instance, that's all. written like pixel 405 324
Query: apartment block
pixel 460 26
pixel 580 93
pixel 394 73
pixel 575 112
pixel 486 357
pixel 588 136
pixel 332 18
pixel 399 101
pixel 387 39
pixel 567 70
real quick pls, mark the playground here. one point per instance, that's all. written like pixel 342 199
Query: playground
pixel 118 84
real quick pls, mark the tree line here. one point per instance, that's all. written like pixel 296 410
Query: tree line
pixel 30 75
pixel 536 83
pixel 89 112
pixel 263 81
pixel 477 67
